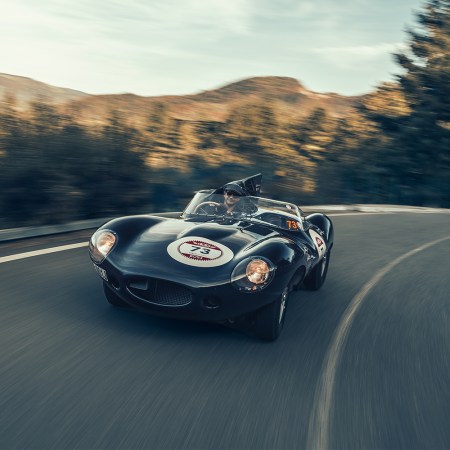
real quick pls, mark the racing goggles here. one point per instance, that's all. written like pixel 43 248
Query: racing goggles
pixel 232 193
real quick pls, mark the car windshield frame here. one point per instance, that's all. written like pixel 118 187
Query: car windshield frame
pixel 260 210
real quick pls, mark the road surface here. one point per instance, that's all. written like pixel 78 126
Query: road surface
pixel 362 363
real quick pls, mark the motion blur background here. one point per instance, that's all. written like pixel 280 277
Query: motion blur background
pixel 67 155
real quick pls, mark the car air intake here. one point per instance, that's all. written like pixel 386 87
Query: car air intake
pixel 159 292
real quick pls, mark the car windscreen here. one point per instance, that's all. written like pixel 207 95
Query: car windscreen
pixel 254 209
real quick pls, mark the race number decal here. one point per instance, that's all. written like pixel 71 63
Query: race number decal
pixel 293 225
pixel 318 242
pixel 199 252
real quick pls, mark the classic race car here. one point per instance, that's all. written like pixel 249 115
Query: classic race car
pixel 231 257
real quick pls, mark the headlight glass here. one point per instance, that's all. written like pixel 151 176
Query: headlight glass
pixel 101 244
pixel 253 274
pixel 257 271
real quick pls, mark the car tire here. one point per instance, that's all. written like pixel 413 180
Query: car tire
pixel 315 279
pixel 269 320
pixel 113 298
pixel 298 279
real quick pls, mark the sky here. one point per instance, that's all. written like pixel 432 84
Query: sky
pixel 158 47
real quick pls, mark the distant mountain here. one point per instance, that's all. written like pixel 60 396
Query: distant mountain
pixel 286 94
pixel 26 90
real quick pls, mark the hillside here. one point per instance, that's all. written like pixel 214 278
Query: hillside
pixel 26 90
pixel 287 95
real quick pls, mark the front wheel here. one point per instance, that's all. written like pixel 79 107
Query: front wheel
pixel 314 280
pixel 270 318
pixel 113 298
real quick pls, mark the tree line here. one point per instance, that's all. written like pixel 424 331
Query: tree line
pixel 393 148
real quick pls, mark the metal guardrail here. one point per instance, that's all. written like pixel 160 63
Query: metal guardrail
pixel 12 234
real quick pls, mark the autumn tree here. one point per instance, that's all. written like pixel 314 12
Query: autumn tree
pixel 250 127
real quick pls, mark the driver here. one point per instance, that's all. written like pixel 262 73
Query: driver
pixel 234 201
pixel 232 196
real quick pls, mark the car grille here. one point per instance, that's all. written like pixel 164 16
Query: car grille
pixel 160 292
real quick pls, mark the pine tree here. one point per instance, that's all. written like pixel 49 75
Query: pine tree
pixel 425 133
pixel 426 81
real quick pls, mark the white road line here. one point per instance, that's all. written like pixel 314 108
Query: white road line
pixel 358 214
pixel 319 424
pixel 385 212
pixel 44 251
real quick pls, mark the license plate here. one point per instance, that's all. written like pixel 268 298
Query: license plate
pixel 101 272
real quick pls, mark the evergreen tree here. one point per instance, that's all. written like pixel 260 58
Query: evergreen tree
pixel 426 80
pixel 425 133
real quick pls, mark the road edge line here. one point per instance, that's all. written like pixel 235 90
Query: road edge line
pixel 319 423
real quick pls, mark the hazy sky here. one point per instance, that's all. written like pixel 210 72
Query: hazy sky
pixel 154 47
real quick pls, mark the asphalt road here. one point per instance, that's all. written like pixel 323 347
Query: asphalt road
pixel 362 363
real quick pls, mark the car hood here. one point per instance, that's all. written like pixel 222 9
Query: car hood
pixel 168 249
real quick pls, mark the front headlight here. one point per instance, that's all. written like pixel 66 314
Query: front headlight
pixel 101 243
pixel 257 271
pixel 252 274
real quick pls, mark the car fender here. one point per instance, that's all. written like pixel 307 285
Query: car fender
pixel 130 226
pixel 288 257
pixel 323 222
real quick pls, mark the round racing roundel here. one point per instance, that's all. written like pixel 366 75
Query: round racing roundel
pixel 199 252
pixel 318 242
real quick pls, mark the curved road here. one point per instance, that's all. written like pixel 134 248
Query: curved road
pixel 362 363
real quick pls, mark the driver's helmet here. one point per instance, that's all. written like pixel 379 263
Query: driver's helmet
pixel 234 188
